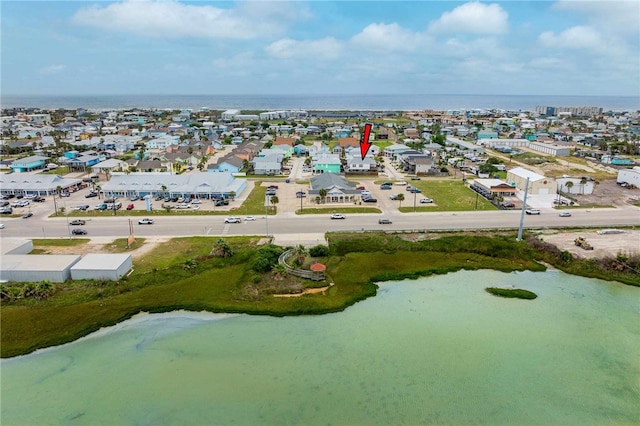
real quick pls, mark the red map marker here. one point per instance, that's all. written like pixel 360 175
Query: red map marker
pixel 364 142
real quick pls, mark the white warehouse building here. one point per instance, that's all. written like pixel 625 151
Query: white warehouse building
pixel 629 176
pixel 37 267
pixel 102 267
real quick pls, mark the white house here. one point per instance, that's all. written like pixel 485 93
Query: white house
pixel 629 176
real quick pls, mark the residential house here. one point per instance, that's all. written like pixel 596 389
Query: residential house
pixel 150 166
pixel 229 163
pixel 268 165
pixel 27 164
pixel 394 150
pixel 109 166
pixel 345 143
pixel 326 163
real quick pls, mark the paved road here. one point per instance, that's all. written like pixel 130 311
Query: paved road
pixel 289 223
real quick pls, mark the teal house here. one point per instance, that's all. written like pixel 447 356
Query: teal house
pixel 326 163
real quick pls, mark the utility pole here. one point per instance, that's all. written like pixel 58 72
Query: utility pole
pixel 522 212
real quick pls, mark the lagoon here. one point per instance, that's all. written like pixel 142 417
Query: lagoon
pixel 437 350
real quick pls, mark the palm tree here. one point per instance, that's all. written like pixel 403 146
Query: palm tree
pixel 274 200
pixel 583 181
pixel 279 271
pixel 400 198
pixel 58 191
pixel 300 252
pixel 323 194
pixel 569 185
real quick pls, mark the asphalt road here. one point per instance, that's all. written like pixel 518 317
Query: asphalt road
pixel 289 223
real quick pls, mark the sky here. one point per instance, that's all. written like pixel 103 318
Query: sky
pixel 564 47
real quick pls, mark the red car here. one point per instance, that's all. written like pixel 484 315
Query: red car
pixel 130 207
pixel 360 188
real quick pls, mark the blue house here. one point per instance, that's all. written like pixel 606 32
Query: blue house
pixel 28 163
pixel 229 163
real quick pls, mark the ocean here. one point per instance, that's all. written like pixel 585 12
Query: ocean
pixel 321 102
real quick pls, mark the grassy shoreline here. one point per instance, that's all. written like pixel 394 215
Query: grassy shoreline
pixel 183 275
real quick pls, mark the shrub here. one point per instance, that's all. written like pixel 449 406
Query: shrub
pixel 319 251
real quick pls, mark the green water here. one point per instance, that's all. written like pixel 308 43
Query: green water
pixel 433 351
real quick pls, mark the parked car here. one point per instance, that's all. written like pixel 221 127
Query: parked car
pixel 65 194
pixel 130 206
pixel 508 204
pixel 91 195
pixel 101 207
pixel 370 200
pixel 27 215
pixel 384 186
pixel 415 190
pixel 4 203
pixel 338 216
pixel 565 214
pixel 271 192
pixel 78 231
pixel 6 210
pixel 39 199
pixel 183 206
pixel 415 178
pixel 249 218
pixel 272 187
pixel 393 196
pixel 301 194
pixel 384 221
pixel 426 200
pixel 77 222
pixel 83 207
pixel 195 201
pixel 360 188
pixel 145 221
pixel 532 211
pixel 134 198
pixel 232 220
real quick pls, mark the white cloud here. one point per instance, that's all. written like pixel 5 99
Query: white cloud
pixel 614 16
pixel 172 19
pixel 327 48
pixel 52 69
pixel 578 37
pixel 473 17
pixel 387 37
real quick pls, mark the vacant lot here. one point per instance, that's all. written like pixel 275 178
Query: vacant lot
pixel 603 244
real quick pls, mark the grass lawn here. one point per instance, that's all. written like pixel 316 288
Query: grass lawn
pixel 59 242
pixel 121 245
pixel 448 195
pixel 330 210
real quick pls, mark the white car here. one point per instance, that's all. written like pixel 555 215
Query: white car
pixel 195 201
pixel 232 220
pixel 145 221
pixel 532 211
pixel 249 218
pixel 565 214
pixel 338 216
pixel 183 206
pixel 426 200
pixel 1 225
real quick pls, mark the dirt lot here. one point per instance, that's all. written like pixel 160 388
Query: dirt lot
pixel 603 244
pixel 608 193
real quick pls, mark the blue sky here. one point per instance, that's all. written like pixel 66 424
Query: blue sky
pixel 561 47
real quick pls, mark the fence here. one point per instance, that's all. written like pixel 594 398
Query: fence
pixel 302 273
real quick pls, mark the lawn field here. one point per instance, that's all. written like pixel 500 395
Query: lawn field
pixel 448 195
